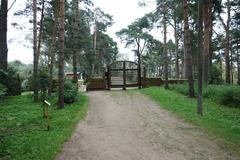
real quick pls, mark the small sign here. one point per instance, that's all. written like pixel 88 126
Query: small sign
pixel 47 103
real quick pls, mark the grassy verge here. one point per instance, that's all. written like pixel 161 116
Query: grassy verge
pixel 23 131
pixel 218 121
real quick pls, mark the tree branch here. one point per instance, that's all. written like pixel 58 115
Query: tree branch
pixel 12 5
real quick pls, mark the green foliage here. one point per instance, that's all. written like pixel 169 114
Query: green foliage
pixel 23 134
pixel 11 80
pixel 222 94
pixel 3 90
pixel 24 70
pixel 181 88
pixel 136 32
pixel 43 82
pixel 221 122
pixel 70 92
pixel 215 76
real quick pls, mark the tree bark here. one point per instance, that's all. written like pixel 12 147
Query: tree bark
pixel 227 47
pixel 227 43
pixel 210 37
pixel 40 31
pixel 139 64
pixel 165 47
pixel 231 64
pixel 35 56
pixel 61 56
pixel 207 10
pixel 75 35
pixel 238 62
pixel 200 57
pixel 3 35
pixel 187 49
pixel 53 47
pixel 176 47
pixel 221 65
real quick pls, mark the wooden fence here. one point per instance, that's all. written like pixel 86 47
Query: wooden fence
pixel 101 83
pixel 96 84
pixel 148 82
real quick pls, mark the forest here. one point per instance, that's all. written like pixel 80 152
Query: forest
pixel 85 47
pixel 191 46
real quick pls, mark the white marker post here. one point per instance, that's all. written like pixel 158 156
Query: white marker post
pixel 46 114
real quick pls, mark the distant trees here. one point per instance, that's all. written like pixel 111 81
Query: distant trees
pixel 136 35
pixel 220 40
pixel 62 41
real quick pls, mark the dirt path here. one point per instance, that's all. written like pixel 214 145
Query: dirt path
pixel 129 126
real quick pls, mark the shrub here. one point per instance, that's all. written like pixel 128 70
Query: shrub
pixel 222 94
pixel 11 80
pixel 215 76
pixel 3 90
pixel 70 92
pixel 43 81
pixel 230 96
pixel 180 88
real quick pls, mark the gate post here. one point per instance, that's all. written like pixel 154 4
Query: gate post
pixel 109 77
pixel 139 74
pixel 124 75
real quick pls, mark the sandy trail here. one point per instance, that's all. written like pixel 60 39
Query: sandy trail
pixel 129 126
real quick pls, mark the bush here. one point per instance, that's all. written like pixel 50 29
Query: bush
pixel 222 94
pixel 215 77
pixel 70 92
pixel 43 81
pixel 3 90
pixel 180 88
pixel 11 80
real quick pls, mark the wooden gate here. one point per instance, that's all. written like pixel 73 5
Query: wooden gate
pixel 122 74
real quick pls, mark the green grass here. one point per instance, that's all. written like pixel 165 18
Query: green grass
pixel 23 130
pixel 220 122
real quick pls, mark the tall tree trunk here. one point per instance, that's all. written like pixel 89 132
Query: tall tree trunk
pixel 35 56
pixel 40 31
pixel 238 61
pixel 231 64
pixel 75 41
pixel 61 56
pixel 3 34
pixel 200 57
pixel 210 37
pixel 139 64
pixel 176 47
pixel 227 43
pixel 227 47
pixel 165 47
pixel 221 65
pixel 53 47
pixel 187 49
pixel 206 19
pixel 94 48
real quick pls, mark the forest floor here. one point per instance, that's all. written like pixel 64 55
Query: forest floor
pixel 127 125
